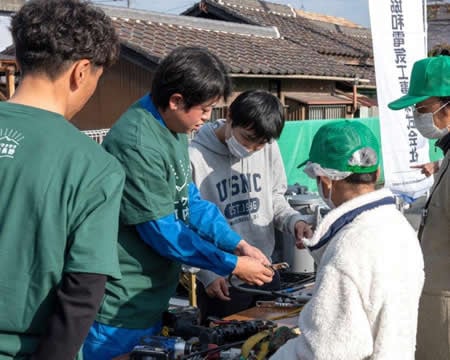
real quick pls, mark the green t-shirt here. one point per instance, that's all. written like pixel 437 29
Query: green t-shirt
pixel 156 164
pixel 60 196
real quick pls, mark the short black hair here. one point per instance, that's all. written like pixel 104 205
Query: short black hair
pixel 259 111
pixel 195 73
pixel 49 35
pixel 360 179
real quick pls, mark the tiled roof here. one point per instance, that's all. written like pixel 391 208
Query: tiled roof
pixel 327 19
pixel 438 24
pixel 9 51
pixel 438 33
pixel 256 6
pixel 437 10
pixel 341 42
pixel 5 57
pixel 11 5
pixel 189 22
pixel 335 39
pixel 246 49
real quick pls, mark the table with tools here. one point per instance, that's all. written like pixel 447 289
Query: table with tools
pixel 253 333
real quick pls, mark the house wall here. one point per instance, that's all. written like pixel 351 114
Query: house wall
pixel 118 88
pixel 297 111
pixel 307 85
pixel 242 84
pixel 282 87
pixel 124 83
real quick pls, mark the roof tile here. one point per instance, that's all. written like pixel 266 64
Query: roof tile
pixel 304 48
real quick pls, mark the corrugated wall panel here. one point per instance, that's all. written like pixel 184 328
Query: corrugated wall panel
pixel 117 89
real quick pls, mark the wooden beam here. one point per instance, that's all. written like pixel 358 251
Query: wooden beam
pixel 10 81
pixel 9 68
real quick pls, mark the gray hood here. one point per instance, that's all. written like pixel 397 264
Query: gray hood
pixel 206 138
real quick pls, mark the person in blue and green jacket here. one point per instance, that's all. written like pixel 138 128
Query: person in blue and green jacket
pixel 163 221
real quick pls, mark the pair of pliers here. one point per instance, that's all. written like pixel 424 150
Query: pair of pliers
pixel 278 266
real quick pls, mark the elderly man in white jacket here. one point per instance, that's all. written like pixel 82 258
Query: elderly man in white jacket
pixel 370 266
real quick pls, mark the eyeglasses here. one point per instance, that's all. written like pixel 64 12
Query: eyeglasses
pixel 416 108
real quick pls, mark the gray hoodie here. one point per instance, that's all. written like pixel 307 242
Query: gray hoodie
pixel 249 191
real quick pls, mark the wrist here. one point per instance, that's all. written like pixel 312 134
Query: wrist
pixel 237 269
pixel 240 247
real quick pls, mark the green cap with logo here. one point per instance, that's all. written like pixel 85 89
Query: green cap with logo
pixel 336 146
pixel 429 77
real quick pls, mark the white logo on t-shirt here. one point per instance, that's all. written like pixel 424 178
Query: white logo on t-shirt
pixel 183 177
pixel 9 142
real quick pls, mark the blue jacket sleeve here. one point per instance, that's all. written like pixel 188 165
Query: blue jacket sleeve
pixel 207 220
pixel 171 238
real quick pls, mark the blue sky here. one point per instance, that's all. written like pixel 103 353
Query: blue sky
pixel 354 10
pixel 5 37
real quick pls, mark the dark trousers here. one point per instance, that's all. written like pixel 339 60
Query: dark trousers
pixel 213 307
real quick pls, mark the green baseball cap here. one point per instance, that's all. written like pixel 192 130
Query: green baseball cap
pixel 335 144
pixel 429 77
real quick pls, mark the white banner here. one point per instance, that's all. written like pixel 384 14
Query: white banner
pixel 399 39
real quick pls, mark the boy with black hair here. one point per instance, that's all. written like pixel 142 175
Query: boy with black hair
pixel 237 165
pixel 60 191
pixel 163 220
pixel 369 263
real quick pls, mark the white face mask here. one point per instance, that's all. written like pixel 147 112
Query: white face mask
pixel 328 200
pixel 236 148
pixel 425 124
